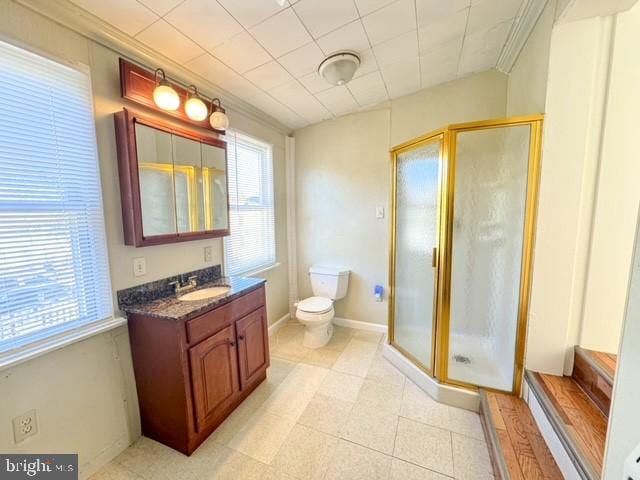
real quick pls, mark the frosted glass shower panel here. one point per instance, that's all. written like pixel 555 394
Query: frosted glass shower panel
pixel 417 191
pixel 487 243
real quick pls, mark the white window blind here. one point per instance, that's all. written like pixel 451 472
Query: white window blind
pixel 54 273
pixel 252 243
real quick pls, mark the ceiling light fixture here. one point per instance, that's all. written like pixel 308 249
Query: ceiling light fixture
pixel 164 95
pixel 195 108
pixel 281 2
pixel 218 119
pixel 339 68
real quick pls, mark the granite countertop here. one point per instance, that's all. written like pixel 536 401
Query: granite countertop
pixel 170 308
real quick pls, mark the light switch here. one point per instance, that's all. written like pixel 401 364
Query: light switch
pixel 139 266
pixel 208 254
pixel 379 212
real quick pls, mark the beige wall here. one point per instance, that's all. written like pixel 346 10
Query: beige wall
pixel 527 86
pixel 618 195
pixel 84 393
pixel 476 97
pixel 343 173
pixel 588 195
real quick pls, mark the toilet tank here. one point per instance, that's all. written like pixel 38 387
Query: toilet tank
pixel 329 282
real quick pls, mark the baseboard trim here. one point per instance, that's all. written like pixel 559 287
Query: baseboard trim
pixel 278 324
pixel 551 438
pixel 372 327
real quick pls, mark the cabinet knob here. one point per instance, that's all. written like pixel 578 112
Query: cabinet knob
pixel 232 344
pixel 241 337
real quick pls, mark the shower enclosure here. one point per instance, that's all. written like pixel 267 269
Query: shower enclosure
pixel 463 212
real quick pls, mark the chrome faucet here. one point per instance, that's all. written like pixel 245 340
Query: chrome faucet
pixel 180 286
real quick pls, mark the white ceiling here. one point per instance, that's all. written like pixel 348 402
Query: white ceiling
pixel 268 55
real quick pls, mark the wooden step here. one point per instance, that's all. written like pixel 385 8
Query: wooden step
pixel 594 372
pixel 517 448
pixel 579 424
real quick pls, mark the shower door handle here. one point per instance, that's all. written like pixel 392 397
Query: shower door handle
pixel 434 257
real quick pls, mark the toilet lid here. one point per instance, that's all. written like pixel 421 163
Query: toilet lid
pixel 315 304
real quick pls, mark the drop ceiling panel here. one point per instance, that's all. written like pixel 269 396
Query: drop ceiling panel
pixel 402 78
pixel 390 21
pixel 485 14
pixel 440 64
pixel 324 16
pixel 431 11
pixel 338 100
pixel 242 53
pixel 268 104
pixel 298 99
pixel 404 47
pixel 205 22
pixel 367 6
pixel 251 12
pixel 348 37
pixel 268 54
pixel 167 40
pixel 482 49
pixel 446 29
pixel 269 75
pixel 368 63
pixel 281 33
pixel 314 83
pixel 368 89
pixel 130 17
pixel 161 7
pixel 212 69
pixel 302 61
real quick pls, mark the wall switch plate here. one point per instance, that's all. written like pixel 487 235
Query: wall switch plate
pixel 379 212
pixel 139 266
pixel 25 426
pixel 208 254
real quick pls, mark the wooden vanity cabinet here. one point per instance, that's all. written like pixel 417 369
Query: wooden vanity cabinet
pixel 187 385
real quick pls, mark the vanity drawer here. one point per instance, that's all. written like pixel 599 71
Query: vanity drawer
pixel 212 322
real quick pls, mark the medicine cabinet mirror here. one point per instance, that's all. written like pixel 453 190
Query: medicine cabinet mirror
pixel 173 181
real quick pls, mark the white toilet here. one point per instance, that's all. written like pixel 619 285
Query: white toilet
pixel 316 313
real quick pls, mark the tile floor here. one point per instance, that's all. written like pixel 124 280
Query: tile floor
pixel 341 412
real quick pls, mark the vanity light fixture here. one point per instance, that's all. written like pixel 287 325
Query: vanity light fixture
pixel 164 94
pixel 218 118
pixel 195 108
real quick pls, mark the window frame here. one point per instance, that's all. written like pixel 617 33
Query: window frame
pixel 231 139
pixel 47 340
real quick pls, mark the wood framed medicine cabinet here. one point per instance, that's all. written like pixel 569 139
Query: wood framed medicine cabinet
pixel 173 181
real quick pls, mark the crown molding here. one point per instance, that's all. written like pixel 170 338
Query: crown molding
pixel 88 25
pixel 523 25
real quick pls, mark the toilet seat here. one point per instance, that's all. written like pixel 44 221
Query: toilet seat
pixel 316 305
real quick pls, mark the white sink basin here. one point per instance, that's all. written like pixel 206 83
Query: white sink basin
pixel 204 293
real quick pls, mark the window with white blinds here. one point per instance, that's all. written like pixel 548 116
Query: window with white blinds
pixel 252 243
pixel 54 273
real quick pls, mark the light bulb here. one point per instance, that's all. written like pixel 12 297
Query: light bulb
pixel 219 120
pixel 196 109
pixel 166 97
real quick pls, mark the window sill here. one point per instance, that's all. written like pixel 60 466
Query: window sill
pixel 14 357
pixel 259 271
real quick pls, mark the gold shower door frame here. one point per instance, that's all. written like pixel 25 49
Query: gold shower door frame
pixel 442 270
pixel 434 137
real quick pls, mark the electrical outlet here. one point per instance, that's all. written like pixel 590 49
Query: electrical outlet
pixel 25 426
pixel 208 254
pixel 139 266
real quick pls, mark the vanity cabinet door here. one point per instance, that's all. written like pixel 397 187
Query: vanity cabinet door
pixel 253 346
pixel 214 375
